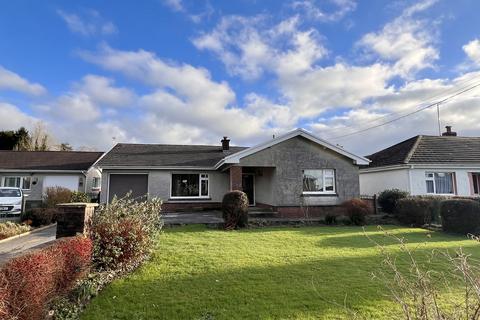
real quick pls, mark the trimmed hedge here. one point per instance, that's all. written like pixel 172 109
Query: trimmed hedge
pixel 461 216
pixel 29 282
pixel 235 210
pixel 388 199
pixel 419 210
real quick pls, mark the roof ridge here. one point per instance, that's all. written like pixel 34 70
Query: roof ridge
pixel 52 151
pixel 176 145
pixel 413 149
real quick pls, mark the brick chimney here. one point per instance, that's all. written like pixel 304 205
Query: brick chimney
pixel 449 132
pixel 225 143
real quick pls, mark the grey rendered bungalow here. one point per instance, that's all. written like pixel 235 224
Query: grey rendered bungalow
pixel 288 173
pixel 35 171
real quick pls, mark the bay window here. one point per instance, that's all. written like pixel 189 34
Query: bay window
pixel 17 182
pixel 189 185
pixel 319 181
pixel 440 182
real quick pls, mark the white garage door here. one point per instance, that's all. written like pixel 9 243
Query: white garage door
pixel 69 182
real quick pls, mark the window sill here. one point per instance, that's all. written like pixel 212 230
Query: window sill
pixel 319 195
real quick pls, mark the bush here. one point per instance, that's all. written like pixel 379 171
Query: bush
pixel 388 199
pixel 330 219
pixel 123 232
pixel 235 210
pixel 41 216
pixel 418 210
pixel 460 216
pixel 10 229
pixel 79 197
pixel 357 210
pixel 29 282
pixel 56 195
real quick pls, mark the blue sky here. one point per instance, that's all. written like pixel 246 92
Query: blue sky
pixel 180 71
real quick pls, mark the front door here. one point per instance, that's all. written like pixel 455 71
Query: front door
pixel 248 185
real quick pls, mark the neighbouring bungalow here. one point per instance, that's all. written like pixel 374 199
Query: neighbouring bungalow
pixel 35 171
pixel 426 165
pixel 290 174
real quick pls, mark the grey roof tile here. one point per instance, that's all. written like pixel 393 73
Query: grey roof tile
pixel 48 160
pixel 164 155
pixel 429 150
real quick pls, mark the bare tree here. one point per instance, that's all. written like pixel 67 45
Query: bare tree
pixel 41 139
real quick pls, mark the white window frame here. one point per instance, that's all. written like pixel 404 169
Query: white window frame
pixel 203 176
pixel 96 185
pixel 333 175
pixel 432 178
pixel 22 181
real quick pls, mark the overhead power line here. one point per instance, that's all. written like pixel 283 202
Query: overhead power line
pixel 464 83
pixel 440 102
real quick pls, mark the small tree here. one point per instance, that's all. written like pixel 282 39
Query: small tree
pixel 235 210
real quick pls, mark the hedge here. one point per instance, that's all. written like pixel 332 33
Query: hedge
pixel 461 216
pixel 419 210
pixel 29 282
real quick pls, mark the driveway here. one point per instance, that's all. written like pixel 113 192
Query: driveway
pixel 22 244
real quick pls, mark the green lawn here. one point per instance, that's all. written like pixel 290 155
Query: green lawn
pixel 269 273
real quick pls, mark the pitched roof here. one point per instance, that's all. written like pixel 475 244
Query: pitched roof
pixel 47 160
pixel 205 156
pixel 165 155
pixel 235 158
pixel 429 150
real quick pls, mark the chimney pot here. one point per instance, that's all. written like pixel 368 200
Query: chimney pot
pixel 225 143
pixel 449 132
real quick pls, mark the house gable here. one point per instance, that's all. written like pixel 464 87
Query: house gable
pixel 236 157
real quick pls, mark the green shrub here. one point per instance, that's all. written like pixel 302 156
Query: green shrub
pixel 79 197
pixel 357 210
pixel 461 216
pixel 123 232
pixel 56 195
pixel 388 199
pixel 235 210
pixel 330 219
pixel 419 210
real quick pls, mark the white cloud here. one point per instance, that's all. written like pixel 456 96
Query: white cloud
pixel 472 50
pixel 102 91
pixel 248 47
pixel 175 5
pixel 89 24
pixel 12 81
pixel 198 102
pixel 406 42
pixel 311 9
pixel 12 118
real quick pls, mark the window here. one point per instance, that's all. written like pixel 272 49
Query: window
pixel 189 185
pixel 318 181
pixel 476 183
pixel 17 182
pixel 96 183
pixel 439 182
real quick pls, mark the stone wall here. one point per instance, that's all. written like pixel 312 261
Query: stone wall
pixel 74 218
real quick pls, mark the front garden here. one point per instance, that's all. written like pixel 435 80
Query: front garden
pixel 269 273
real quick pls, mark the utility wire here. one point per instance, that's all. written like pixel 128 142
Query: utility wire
pixel 466 83
pixel 408 114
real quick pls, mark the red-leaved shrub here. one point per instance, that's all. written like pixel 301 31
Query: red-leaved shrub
pixel 357 211
pixel 123 242
pixel 29 282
